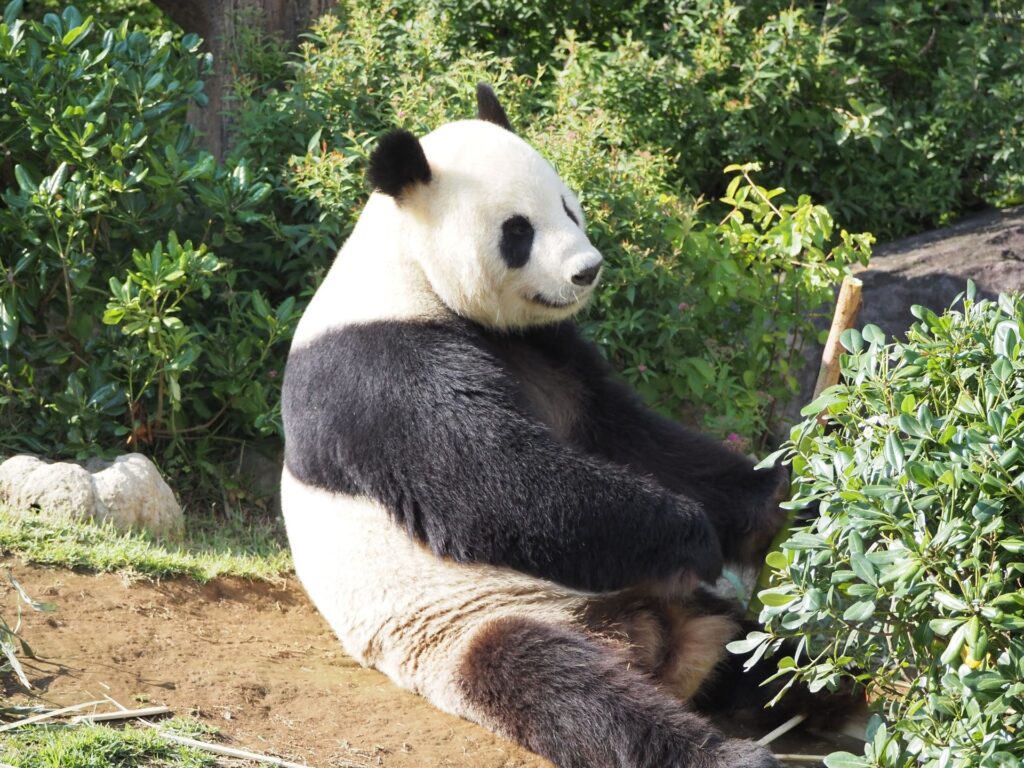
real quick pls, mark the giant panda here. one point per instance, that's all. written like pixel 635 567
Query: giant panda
pixel 477 505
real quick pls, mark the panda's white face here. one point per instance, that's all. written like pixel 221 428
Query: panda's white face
pixel 497 233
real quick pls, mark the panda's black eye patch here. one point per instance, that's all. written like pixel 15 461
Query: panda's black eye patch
pixel 516 241
pixel 569 213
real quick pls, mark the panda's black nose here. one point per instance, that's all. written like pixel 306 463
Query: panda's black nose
pixel 587 276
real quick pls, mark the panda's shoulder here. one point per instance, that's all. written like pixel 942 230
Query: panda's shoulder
pixel 394 349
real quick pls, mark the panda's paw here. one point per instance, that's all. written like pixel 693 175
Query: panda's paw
pixel 760 518
pixel 740 753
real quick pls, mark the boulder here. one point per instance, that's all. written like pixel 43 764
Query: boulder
pixel 930 269
pixel 129 492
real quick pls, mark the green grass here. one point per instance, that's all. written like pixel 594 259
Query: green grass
pixel 228 545
pixel 92 746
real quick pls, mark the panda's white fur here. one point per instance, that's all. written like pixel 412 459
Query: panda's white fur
pixel 436 251
pixel 409 595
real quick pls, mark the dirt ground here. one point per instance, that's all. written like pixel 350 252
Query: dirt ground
pixel 251 658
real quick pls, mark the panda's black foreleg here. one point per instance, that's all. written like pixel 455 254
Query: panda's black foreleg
pixel 578 703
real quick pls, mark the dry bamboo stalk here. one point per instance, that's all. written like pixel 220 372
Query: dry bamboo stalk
pixel 218 749
pixel 43 716
pixel 124 714
pixel 847 307
pixel 783 729
pixel 801 758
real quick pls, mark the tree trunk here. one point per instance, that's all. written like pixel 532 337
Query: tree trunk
pixel 217 22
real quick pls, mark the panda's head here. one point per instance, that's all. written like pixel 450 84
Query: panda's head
pixel 496 232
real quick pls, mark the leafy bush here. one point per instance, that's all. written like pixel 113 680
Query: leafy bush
pixel 103 177
pixel 910 575
pixel 895 116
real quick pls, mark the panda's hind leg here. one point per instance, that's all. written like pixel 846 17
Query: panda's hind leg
pixel 579 702
pixel 680 644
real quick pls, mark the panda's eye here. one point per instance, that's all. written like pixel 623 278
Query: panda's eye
pixel 569 213
pixel 516 241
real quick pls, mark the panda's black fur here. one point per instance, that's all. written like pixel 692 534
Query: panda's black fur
pixel 491 517
pixel 437 427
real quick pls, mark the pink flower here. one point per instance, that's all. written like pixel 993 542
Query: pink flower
pixel 683 306
pixel 641 367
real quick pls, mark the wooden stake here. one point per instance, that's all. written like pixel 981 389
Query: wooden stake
pixel 847 307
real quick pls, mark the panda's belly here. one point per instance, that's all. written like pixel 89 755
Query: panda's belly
pixel 393 604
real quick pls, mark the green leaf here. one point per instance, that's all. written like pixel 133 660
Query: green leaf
pixel 12 12
pixel 828 397
pixel 873 334
pixel 893 452
pixel 852 340
pixel 8 321
pixel 775 598
pixel 860 611
pixel 956 643
pixel 25 181
pixel 846 760
pixel 749 643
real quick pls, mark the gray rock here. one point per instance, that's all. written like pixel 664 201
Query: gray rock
pixel 128 492
pixel 28 484
pixel 131 493
pixel 930 269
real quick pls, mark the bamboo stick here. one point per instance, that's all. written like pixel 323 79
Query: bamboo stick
pixel 847 308
pixel 43 716
pixel 218 749
pixel 783 729
pixel 125 714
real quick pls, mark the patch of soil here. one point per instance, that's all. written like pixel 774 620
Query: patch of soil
pixel 257 661
pixel 254 659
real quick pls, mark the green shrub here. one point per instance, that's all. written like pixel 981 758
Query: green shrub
pixel 910 576
pixel 103 178
pixel 894 115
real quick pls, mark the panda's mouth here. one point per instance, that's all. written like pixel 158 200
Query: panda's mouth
pixel 544 301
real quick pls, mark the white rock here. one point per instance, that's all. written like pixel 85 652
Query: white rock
pixel 130 493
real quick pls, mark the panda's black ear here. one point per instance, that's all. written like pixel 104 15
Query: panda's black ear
pixel 489 108
pixel 397 163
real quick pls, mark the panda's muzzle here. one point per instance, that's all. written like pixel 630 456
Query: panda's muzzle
pixel 544 301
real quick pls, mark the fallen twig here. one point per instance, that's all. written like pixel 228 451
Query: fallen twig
pixel 217 749
pixel 49 715
pixel 786 727
pixel 801 758
pixel 124 714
